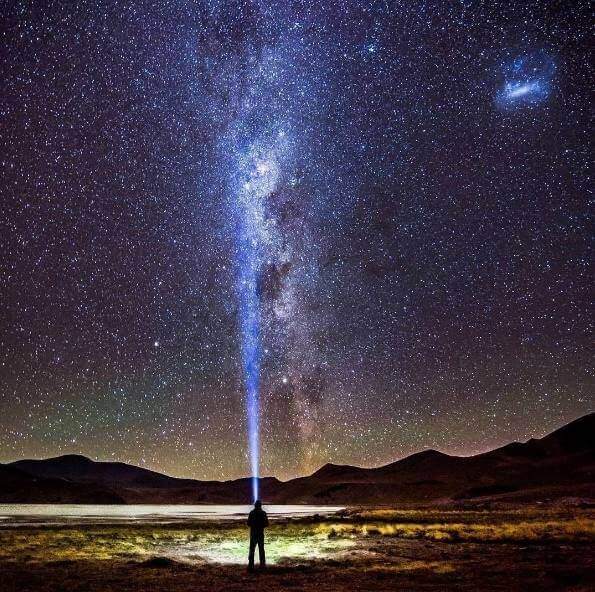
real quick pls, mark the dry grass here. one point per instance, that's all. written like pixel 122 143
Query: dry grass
pixel 294 538
pixel 380 550
pixel 528 524
pixel 198 544
pixel 576 530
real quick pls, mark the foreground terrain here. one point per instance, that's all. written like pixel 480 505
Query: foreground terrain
pixel 510 549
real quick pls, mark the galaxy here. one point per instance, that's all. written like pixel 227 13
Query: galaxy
pixel 528 80
pixel 253 237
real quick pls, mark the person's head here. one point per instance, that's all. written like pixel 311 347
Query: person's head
pixel 258 504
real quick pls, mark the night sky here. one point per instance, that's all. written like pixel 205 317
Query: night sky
pixel 379 208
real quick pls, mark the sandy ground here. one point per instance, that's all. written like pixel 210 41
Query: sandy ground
pixel 421 551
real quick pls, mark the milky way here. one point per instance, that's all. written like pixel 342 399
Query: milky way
pixel 363 222
pixel 259 146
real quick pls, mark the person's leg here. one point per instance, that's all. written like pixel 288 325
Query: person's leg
pixel 251 553
pixel 261 551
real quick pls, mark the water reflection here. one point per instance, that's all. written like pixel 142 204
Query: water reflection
pixel 89 514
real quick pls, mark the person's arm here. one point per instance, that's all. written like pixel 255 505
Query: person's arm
pixel 250 519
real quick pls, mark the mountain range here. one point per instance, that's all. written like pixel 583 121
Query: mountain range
pixel 559 465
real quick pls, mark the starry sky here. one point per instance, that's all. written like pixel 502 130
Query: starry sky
pixel 379 208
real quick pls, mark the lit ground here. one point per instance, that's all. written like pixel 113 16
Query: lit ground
pixel 524 550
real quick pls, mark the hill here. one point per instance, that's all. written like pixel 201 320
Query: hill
pixel 17 486
pixel 561 464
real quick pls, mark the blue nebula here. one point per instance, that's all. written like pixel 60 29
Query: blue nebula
pixel 527 81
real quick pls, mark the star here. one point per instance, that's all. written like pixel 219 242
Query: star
pixel 261 236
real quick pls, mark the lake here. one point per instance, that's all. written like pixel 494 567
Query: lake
pixel 91 514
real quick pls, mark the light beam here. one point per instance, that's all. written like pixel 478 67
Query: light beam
pixel 258 175
pixel 249 312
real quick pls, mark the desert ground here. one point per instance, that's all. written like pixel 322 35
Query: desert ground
pixel 508 549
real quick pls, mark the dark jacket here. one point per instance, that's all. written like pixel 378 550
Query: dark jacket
pixel 258 520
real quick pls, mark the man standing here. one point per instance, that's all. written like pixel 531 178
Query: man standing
pixel 257 521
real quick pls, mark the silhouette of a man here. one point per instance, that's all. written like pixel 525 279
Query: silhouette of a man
pixel 257 521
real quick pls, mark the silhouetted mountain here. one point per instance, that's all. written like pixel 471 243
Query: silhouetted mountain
pixel 347 473
pixel 561 464
pixel 575 437
pixel 75 467
pixel 132 484
pixel 17 486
